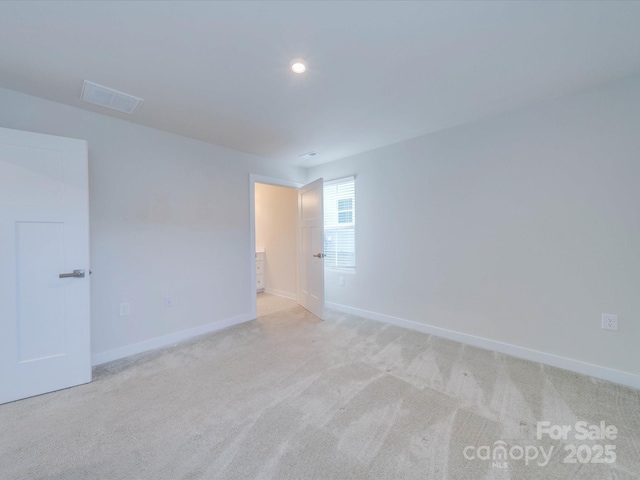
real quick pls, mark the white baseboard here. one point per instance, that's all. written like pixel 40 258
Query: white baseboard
pixel 165 340
pixel 610 374
pixel 280 293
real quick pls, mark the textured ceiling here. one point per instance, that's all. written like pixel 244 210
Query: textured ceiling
pixel 379 72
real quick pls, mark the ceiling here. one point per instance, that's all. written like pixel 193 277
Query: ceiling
pixel 379 72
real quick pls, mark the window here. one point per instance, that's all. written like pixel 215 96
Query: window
pixel 340 224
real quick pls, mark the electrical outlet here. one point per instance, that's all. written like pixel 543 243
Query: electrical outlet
pixel 609 321
pixel 124 309
pixel 168 301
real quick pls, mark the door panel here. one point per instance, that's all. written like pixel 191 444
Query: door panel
pixel 40 295
pixel 44 232
pixel 311 248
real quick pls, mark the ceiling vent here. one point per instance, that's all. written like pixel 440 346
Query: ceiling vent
pixel 308 155
pixel 110 98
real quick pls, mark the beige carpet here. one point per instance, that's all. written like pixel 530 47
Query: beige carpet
pixel 267 304
pixel 291 397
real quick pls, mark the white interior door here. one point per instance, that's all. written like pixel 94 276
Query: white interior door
pixel 44 232
pixel 311 248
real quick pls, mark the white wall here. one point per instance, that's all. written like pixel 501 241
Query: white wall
pixel 522 228
pixel 169 216
pixel 276 212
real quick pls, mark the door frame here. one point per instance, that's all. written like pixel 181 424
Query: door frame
pixel 253 179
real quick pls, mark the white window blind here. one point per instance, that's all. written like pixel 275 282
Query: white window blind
pixel 340 224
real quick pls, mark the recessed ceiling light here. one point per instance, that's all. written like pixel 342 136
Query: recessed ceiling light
pixel 298 65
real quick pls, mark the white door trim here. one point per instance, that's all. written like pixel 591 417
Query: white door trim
pixel 253 179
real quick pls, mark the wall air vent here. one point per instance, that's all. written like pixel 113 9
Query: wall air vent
pixel 110 98
pixel 308 155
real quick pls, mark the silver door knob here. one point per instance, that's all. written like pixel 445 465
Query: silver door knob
pixel 319 255
pixel 74 274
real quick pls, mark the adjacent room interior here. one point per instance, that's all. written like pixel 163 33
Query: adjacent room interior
pixel 276 212
pixel 319 240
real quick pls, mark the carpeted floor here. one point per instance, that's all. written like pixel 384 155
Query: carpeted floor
pixel 268 304
pixel 290 397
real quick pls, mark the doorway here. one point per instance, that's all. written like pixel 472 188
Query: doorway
pixel 271 252
pixel 276 210
pixel 282 266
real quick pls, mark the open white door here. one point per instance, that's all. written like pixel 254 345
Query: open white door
pixel 44 254
pixel 311 248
